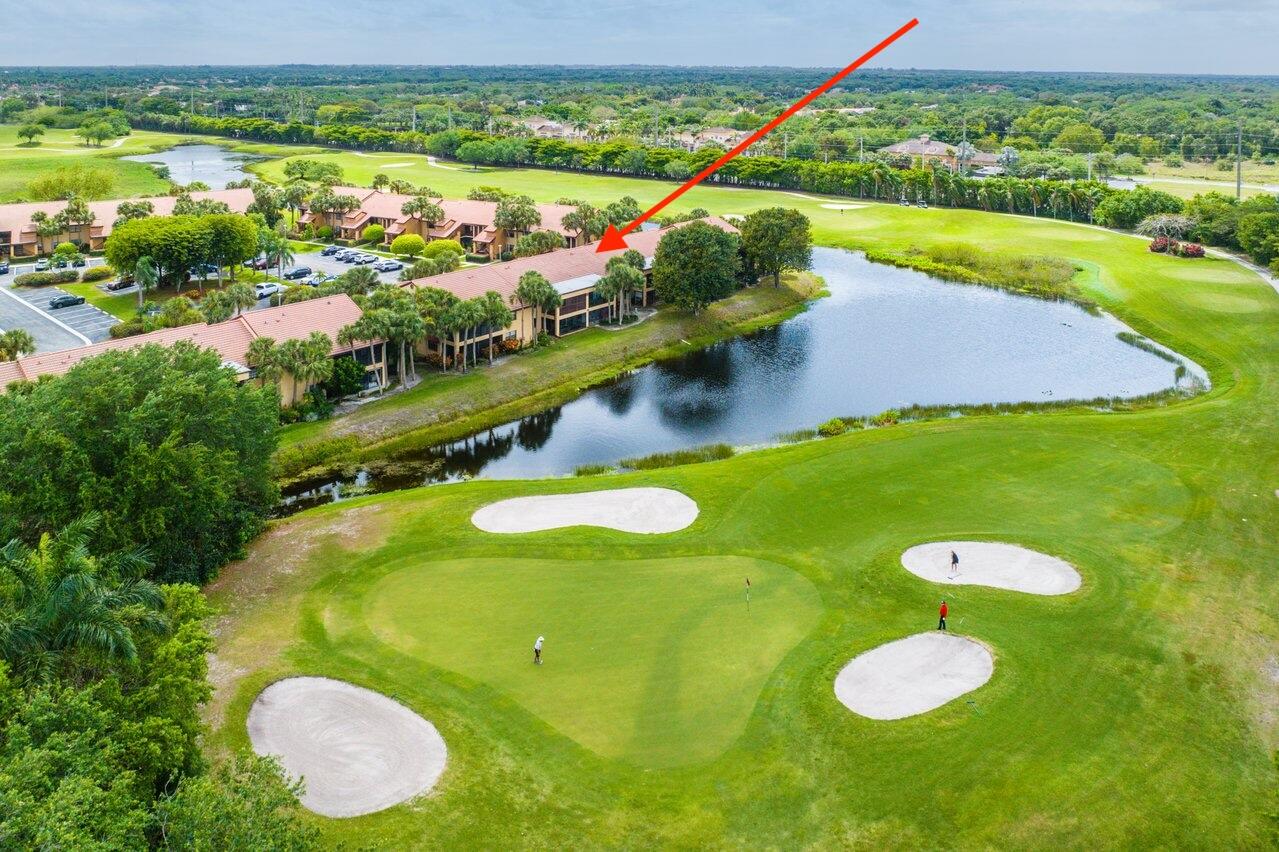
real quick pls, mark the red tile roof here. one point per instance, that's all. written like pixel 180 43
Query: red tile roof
pixel 230 339
pixel 557 266
pixel 16 218
pixel 375 204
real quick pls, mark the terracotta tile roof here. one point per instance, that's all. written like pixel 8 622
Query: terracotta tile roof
pixel 558 266
pixel 16 218
pixel 457 212
pixel 230 339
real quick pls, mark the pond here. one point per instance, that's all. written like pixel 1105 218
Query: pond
pixel 884 338
pixel 211 164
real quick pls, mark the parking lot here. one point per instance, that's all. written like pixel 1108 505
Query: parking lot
pixel 87 323
pixel 332 267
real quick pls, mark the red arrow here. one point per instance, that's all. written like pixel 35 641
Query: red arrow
pixel 614 239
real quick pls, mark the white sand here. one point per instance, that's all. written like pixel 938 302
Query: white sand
pixel 357 750
pixel 843 206
pixel 988 563
pixel 637 510
pixel 913 675
pixel 398 165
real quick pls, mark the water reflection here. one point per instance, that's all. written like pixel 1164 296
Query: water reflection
pixel 209 164
pixel 884 338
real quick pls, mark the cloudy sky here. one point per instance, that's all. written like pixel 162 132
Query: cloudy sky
pixel 1166 36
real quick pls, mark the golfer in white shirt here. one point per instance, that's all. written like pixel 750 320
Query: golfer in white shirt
pixel 537 650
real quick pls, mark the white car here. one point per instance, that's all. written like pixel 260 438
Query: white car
pixel 267 288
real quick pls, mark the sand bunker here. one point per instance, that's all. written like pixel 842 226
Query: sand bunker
pixel 913 675
pixel 843 206
pixel 357 750
pixel 987 563
pixel 636 510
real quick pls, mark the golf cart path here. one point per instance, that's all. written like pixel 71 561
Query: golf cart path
pixel 357 750
pixel 635 510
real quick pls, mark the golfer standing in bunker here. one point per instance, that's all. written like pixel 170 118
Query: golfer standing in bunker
pixel 537 650
pixel 954 563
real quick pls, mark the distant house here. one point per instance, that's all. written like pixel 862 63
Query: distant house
pixel 572 272
pixel 545 128
pixel 724 137
pixel 18 230
pixel 471 223
pixel 928 150
pixel 231 339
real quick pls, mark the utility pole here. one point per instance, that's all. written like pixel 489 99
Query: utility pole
pixel 861 149
pixel 415 118
pixel 1239 163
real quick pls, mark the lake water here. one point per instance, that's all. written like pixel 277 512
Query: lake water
pixel 211 164
pixel 884 338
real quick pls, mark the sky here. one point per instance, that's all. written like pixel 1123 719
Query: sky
pixel 1156 36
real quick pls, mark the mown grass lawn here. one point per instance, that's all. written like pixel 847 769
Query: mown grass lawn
pixel 1140 711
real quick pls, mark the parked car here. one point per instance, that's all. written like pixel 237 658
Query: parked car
pixel 66 300
pixel 922 203
pixel 329 251
pixel 4 267
pixel 295 272
pixel 79 262
pixel 257 263
pixel 317 279
pixel 206 268
pixel 122 283
pixel 366 258
pixel 388 266
pixel 342 254
pixel 905 202
pixel 61 263
pixel 350 257
pixel 267 288
pixel 42 265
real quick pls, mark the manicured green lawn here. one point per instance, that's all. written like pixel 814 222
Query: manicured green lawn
pixel 1137 712
pixel 619 633
pixel 130 178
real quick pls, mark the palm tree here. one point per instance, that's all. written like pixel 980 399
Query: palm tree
pixel 497 316
pixel 307 360
pixel 536 292
pixel 146 276
pixel 243 296
pixel 15 343
pixel 62 608
pixel 423 209
pixel 588 221
pixel 217 307
pixel 264 357
pixel 279 252
pixel 380 181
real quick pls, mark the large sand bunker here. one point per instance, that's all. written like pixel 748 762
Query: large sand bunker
pixel 913 675
pixel 988 563
pixel 357 750
pixel 636 510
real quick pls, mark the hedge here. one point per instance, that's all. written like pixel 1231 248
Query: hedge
pixel 44 279
pixel 98 273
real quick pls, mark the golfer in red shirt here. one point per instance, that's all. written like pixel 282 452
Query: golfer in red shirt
pixel 942 612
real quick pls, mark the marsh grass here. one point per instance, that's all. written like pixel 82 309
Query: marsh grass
pixel 1032 275
pixel 694 455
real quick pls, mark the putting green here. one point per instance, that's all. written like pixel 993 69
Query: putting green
pixel 654 661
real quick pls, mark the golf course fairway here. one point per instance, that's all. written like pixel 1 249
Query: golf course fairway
pixel 1140 711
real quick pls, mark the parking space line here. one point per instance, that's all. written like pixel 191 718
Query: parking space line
pixel 46 315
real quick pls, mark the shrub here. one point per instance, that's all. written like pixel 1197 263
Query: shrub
pixel 291 461
pixel 373 234
pixel 1159 244
pixel 34 279
pixel 435 248
pixel 832 427
pixel 97 273
pixel 410 245
pixel 511 345
pixel 129 328
pixel 1191 250
pixel 347 378
pixel 324 233
pixel 477 258
pixel 886 418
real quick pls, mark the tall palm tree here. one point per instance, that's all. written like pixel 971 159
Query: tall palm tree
pixel 242 296
pixel 62 608
pixel 279 252
pixel 15 343
pixel 145 276
pixel 497 316
pixel 264 357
